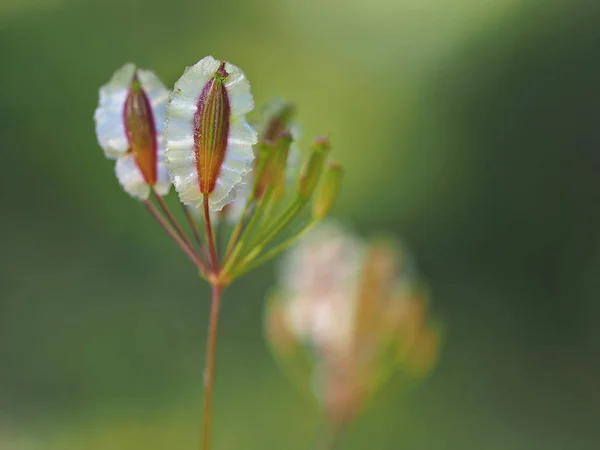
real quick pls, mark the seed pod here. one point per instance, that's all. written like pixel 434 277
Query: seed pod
pixel 209 143
pixel 129 124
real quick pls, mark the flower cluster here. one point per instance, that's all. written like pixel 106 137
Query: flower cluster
pixel 197 138
pixel 347 314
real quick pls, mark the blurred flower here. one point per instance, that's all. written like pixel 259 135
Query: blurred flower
pixel 209 143
pixel 350 312
pixel 129 122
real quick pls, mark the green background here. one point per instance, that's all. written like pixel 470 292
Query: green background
pixel 468 128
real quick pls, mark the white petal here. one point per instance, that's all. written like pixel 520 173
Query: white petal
pixel 236 207
pixel 242 133
pixel 234 171
pixel 238 90
pixel 188 88
pixel 163 180
pixel 110 129
pixel 181 160
pixel 131 178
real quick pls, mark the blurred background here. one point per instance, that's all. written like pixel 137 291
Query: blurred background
pixel 469 128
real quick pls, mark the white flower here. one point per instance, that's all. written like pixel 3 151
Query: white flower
pixel 129 124
pixel 209 143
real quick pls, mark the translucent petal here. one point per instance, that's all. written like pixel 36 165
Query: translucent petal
pixel 110 129
pixel 242 133
pixel 238 88
pixel 235 168
pixel 236 207
pixel 131 178
pixel 188 88
pixel 163 180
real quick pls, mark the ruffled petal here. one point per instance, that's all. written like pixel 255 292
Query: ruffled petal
pixel 238 89
pixel 163 180
pixel 236 207
pixel 110 128
pixel 188 88
pixel 131 178
pixel 234 171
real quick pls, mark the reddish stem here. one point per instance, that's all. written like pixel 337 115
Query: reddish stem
pixel 194 228
pixel 165 225
pixel 209 371
pixel 172 220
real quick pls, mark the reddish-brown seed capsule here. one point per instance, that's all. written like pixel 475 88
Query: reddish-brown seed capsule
pixel 209 143
pixel 141 131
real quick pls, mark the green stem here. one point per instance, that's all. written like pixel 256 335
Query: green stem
pixel 242 241
pixel 210 236
pixel 259 243
pixel 238 228
pixel 248 264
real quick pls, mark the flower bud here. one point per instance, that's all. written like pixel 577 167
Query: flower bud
pixel 273 173
pixel 278 121
pixel 328 190
pixel 311 172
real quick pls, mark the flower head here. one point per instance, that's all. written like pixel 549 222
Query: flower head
pixel 129 122
pixel 355 311
pixel 207 151
pixel 209 143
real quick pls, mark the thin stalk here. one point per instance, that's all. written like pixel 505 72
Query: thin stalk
pixel 247 264
pixel 165 225
pixel 239 226
pixel 260 242
pixel 172 220
pixel 237 230
pixel 194 227
pixel 242 242
pixel 210 236
pixel 209 371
